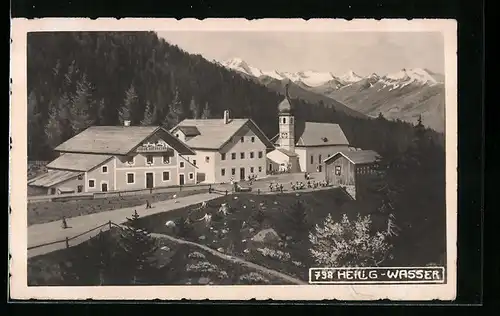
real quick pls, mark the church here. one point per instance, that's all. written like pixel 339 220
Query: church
pixel 303 146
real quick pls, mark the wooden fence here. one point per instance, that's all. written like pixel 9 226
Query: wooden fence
pixel 111 194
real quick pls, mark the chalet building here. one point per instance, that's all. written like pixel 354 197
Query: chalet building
pixel 303 146
pixel 225 149
pixel 345 168
pixel 118 158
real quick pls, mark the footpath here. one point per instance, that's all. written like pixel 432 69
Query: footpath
pixel 52 232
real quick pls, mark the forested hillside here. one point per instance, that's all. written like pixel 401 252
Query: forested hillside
pixel 77 79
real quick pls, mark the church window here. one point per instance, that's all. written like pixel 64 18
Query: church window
pixel 284 120
pixel 291 120
pixel 312 159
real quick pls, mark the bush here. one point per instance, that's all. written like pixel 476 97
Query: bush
pixel 348 243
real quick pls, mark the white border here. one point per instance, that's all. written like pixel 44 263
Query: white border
pixel 18 154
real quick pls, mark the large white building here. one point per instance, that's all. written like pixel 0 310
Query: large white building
pixel 303 146
pixel 225 148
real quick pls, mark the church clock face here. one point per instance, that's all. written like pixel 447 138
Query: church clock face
pixel 284 135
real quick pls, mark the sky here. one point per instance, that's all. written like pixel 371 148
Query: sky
pixel 337 52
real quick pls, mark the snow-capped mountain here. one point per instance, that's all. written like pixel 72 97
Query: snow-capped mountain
pixel 316 79
pixel 350 77
pixel 404 94
pixel 309 77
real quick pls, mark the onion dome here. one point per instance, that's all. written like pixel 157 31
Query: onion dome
pixel 285 107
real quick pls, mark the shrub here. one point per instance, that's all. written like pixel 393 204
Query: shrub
pixel 253 278
pixel 348 243
pixel 196 255
pixel 202 266
pixel 274 254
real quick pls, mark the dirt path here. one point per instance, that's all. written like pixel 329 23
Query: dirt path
pixel 234 259
pixel 51 232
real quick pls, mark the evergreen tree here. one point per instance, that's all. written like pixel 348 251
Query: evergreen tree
pixel 297 218
pixel 35 127
pixel 130 103
pixel 175 111
pixel 82 106
pixel 101 113
pixel 149 115
pixel 53 128
pixel 206 114
pixel 193 107
pixel 136 251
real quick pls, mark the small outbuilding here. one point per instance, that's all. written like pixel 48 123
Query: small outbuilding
pixel 346 167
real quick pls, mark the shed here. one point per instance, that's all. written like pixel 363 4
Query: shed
pixel 346 167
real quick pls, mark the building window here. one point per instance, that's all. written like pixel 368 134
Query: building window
pixel 79 188
pixel 222 156
pixel 52 191
pixel 233 156
pixel 242 139
pixel 337 170
pixel 91 183
pixel 251 155
pixel 233 171
pixel 80 177
pixel 260 154
pixel 149 159
pixel 181 164
pixel 177 135
pixel 166 176
pixel 104 169
pixel 251 169
pixel 312 159
pixel 253 139
pixel 291 120
pixel 207 159
pixel 130 178
pixel 284 120
pixel 242 155
pixel 194 162
pixel 166 160
pixel 191 176
pixel 104 187
pixel 319 159
pixel 260 169
pixel 223 172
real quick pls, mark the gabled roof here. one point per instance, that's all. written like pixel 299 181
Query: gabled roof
pixel 357 157
pixel 189 131
pixel 77 161
pixel 117 140
pixel 52 177
pixel 310 134
pixel 287 152
pixel 214 134
pixel 319 134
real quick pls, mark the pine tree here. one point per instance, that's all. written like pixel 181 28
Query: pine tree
pixel 297 217
pixel 136 251
pixel 101 113
pixel 193 107
pixel 82 105
pixel 206 112
pixel 53 128
pixel 129 105
pixel 35 127
pixel 149 115
pixel 175 111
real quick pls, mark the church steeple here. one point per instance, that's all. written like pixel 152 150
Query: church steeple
pixel 286 122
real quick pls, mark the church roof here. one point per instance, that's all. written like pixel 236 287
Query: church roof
pixel 309 134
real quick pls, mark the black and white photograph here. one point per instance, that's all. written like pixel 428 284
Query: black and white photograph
pixel 171 159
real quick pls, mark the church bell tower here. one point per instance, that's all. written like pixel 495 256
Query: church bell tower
pixel 286 123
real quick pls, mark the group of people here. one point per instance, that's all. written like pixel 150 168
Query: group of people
pixel 276 187
pixel 299 185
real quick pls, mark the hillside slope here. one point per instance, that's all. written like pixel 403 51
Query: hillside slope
pixel 395 102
